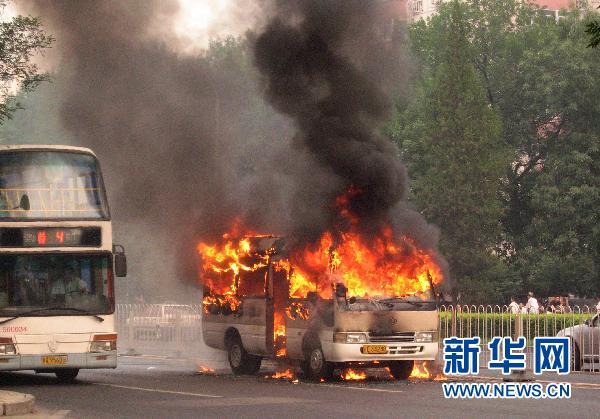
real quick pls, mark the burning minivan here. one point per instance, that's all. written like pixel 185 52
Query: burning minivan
pixel 333 305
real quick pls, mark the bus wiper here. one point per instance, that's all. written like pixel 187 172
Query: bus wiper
pixel 39 310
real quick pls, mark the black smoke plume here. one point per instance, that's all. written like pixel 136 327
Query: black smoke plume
pixel 176 156
pixel 314 57
pixel 165 127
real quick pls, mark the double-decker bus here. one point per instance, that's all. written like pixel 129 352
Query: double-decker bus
pixel 57 262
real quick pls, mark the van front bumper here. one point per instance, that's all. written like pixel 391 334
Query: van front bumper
pixel 77 360
pixel 351 352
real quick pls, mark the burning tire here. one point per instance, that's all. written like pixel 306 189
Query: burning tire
pixel 66 375
pixel 401 370
pixel 240 361
pixel 315 367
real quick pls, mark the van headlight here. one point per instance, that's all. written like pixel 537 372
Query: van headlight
pixel 8 349
pixel 424 337
pixel 103 346
pixel 350 337
pixel 104 343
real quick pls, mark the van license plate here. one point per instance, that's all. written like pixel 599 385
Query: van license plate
pixel 54 360
pixel 374 349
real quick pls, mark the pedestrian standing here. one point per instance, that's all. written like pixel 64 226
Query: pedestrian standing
pixel 532 305
pixel 513 307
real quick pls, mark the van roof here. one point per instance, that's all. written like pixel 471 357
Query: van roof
pixel 15 147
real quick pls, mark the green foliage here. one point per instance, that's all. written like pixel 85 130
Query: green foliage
pixel 517 221
pixel 450 138
pixel 593 30
pixel 20 39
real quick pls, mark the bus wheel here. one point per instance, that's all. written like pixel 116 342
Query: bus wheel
pixel 67 375
pixel 401 370
pixel 315 367
pixel 240 361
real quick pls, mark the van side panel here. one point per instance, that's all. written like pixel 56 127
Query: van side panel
pixel 249 320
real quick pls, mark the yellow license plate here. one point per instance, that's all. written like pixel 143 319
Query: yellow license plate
pixel 374 349
pixel 54 360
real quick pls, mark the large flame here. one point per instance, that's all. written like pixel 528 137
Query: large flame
pixel 378 264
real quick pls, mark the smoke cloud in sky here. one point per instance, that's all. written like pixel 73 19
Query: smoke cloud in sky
pixel 172 132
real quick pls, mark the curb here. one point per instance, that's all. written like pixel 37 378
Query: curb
pixel 13 403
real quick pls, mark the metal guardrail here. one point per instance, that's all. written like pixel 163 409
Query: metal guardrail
pixel 581 323
pixel 160 329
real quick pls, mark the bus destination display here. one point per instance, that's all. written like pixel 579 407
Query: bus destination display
pixel 50 237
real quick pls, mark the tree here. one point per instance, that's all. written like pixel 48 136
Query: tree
pixel 562 250
pixel 541 80
pixel 593 30
pixel 20 39
pixel 450 138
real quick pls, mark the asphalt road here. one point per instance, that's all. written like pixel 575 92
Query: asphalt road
pixel 144 387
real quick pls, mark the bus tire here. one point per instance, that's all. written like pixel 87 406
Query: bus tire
pixel 315 366
pixel 66 375
pixel 401 370
pixel 240 361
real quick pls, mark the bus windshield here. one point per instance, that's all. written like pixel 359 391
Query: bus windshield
pixel 33 282
pixel 50 184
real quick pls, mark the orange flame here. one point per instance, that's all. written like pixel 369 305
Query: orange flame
pixel 288 374
pixel 205 370
pixel 279 334
pixel 352 375
pixel 383 267
pixel 422 372
pixel 379 264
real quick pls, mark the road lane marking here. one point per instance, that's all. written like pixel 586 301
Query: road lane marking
pixel 361 388
pixel 155 390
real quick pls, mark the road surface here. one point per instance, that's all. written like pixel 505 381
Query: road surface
pixel 152 387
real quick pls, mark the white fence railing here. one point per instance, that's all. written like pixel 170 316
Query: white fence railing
pixel 160 329
pixel 581 324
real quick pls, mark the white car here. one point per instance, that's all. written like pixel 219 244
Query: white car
pixel 586 344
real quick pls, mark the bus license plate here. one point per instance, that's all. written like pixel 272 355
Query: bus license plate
pixel 54 360
pixel 374 349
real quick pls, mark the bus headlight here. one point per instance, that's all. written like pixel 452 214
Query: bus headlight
pixel 350 337
pixel 104 343
pixel 8 349
pixel 424 337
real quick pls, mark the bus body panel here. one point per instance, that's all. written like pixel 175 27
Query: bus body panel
pixel 36 337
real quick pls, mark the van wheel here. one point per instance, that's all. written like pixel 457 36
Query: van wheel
pixel 315 367
pixel 401 370
pixel 240 361
pixel 67 375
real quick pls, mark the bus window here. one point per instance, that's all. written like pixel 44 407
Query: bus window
pixel 32 282
pixel 51 184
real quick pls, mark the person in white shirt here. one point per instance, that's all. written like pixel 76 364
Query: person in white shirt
pixel 532 305
pixel 513 307
pixel 598 307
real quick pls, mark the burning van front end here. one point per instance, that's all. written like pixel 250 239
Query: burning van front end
pixel 365 336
